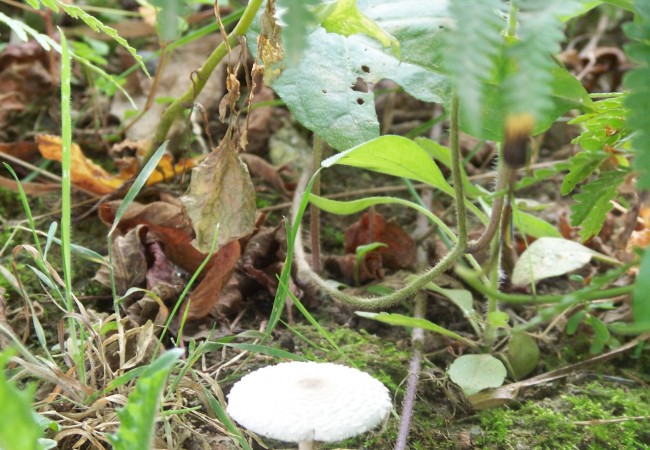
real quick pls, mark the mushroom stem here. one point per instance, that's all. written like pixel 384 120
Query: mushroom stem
pixel 306 445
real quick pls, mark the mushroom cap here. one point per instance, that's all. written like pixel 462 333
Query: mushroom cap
pixel 304 401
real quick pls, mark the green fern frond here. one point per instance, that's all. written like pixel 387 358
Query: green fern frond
pixel 638 98
pixel 94 23
pixel 528 88
pixel 471 51
pixel 297 17
pixel 594 202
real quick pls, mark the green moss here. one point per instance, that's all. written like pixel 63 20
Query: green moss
pixel 562 422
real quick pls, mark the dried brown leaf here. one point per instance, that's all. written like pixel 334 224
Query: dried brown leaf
pixel 206 294
pixel 220 194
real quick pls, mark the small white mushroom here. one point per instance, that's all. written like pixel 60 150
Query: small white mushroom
pixel 307 401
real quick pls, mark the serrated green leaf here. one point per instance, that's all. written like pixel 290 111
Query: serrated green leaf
pixel 98 26
pixel 470 57
pixel 581 167
pixel 641 294
pixel 137 418
pixel 297 18
pixel 636 81
pixel 594 202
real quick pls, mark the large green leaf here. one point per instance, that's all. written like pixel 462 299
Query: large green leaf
pixel 319 89
pixel 393 155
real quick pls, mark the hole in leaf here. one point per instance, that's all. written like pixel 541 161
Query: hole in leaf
pixel 360 101
pixel 365 68
pixel 360 85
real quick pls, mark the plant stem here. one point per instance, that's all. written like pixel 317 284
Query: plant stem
pixel 314 218
pixel 306 274
pixel 202 75
pixel 417 341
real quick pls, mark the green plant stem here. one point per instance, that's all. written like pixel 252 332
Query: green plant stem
pixel 314 217
pixel 307 275
pixel 523 299
pixel 176 108
pixel 512 21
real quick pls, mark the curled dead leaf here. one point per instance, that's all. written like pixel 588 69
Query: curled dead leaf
pixel 91 177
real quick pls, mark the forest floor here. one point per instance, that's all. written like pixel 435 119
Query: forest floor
pixel 598 403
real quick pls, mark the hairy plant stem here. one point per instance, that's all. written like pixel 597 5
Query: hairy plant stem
pixel 307 275
pixel 184 101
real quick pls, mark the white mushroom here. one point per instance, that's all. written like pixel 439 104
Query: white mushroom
pixel 307 401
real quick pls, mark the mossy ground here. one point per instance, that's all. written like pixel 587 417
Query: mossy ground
pixel 582 412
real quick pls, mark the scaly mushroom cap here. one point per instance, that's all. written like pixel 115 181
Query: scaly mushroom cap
pixel 303 401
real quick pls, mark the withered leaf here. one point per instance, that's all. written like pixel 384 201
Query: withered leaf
pixel 206 294
pixel 220 193
pixel 91 177
pixel 129 262
pixel 372 227
pixel 167 222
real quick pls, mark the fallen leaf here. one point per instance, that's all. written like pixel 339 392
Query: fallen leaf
pixel 259 167
pixel 549 257
pixel 29 187
pixel 640 237
pixel 129 263
pixel 166 221
pixel 372 227
pixel 220 194
pixel 25 77
pixel 91 177
pixel 24 150
pixel 206 294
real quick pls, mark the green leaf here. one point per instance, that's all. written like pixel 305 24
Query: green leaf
pixel 581 167
pixel 636 81
pixel 472 48
pixel 19 430
pixel 137 418
pixel 411 322
pixel 566 93
pixel 138 184
pixel 442 154
pixel 473 373
pixel 523 355
pixel 346 20
pixel 534 226
pixel 641 294
pixel 463 300
pixel 393 155
pixel 319 88
pixel 594 202
pixel 297 19
pixel 528 87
